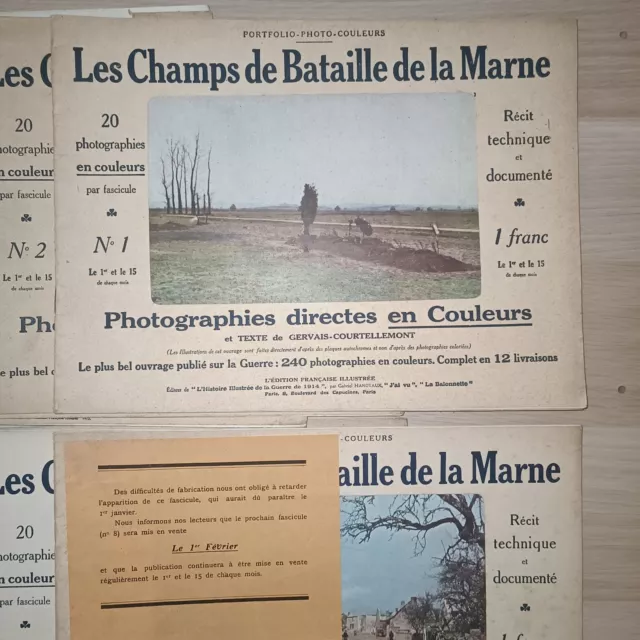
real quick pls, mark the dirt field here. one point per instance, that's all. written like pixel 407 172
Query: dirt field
pixel 241 261
pixel 456 219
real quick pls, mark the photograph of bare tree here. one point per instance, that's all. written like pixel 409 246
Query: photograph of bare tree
pixel 330 198
pixel 413 567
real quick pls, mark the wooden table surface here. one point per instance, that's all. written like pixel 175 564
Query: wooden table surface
pixel 609 121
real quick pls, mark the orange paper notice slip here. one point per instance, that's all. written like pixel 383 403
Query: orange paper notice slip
pixel 229 538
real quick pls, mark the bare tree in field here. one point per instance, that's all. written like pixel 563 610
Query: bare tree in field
pixel 194 160
pixel 184 161
pixel 165 185
pixel 170 175
pixel 181 172
pixel 174 174
pixel 177 176
pixel 208 194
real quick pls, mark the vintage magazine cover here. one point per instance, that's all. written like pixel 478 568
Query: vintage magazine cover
pixel 26 217
pixel 27 546
pixel 443 534
pixel 294 215
pixel 27 222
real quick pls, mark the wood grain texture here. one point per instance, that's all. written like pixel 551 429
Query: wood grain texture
pixel 609 127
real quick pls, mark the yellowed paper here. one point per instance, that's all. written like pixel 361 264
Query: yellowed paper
pixel 306 216
pixel 26 211
pixel 472 532
pixel 238 539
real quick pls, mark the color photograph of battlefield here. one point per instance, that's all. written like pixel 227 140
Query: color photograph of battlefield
pixel 313 199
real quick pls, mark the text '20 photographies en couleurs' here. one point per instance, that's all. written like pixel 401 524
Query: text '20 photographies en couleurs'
pixel 384 218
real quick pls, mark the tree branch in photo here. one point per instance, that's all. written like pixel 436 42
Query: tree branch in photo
pixel 184 157
pixel 462 588
pixel 165 184
pixel 418 514
pixel 178 176
pixel 172 168
pixel 193 177
pixel 208 193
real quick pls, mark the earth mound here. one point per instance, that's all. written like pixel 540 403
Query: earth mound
pixel 381 252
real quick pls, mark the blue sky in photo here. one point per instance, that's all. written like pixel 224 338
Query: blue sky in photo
pixel 359 149
pixel 384 571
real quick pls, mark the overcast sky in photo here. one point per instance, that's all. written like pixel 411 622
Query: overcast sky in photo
pixel 381 573
pixel 394 149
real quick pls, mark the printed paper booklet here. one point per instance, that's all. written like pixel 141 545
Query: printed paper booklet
pixel 26 217
pixel 442 533
pixel 303 216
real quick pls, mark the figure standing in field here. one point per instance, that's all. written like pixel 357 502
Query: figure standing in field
pixel 308 207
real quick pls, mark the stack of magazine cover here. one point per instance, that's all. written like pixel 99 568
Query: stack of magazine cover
pixel 238 259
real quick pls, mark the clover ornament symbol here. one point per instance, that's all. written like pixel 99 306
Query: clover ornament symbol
pixel 112 213
pixel 26 218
